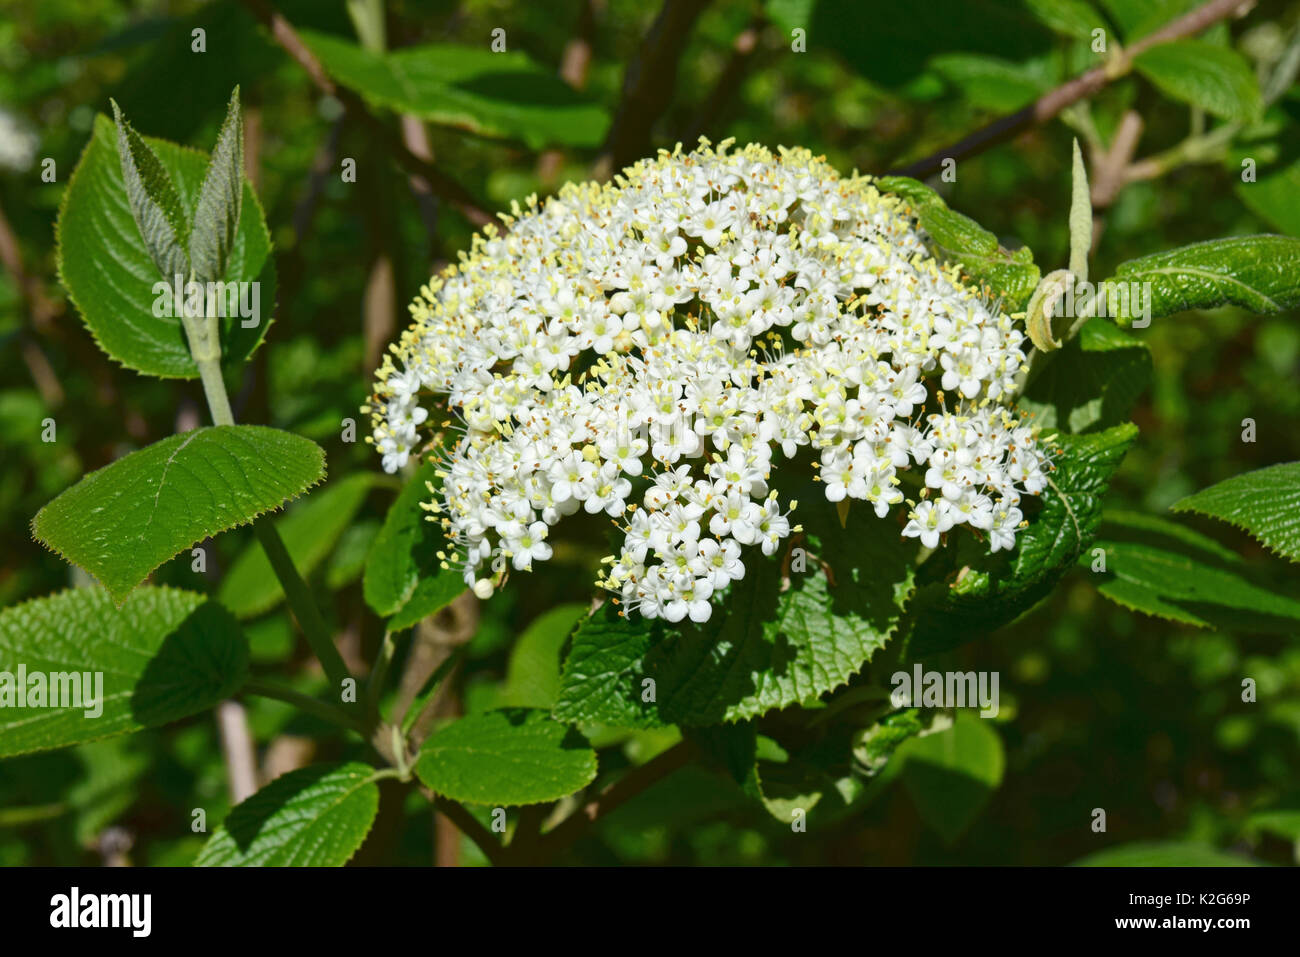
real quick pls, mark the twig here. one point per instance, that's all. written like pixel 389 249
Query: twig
pixel 563 835
pixel 469 826
pixel 1087 84
pixel 302 604
pixel 648 84
pixel 1109 168
pixel 729 81
pixel 332 713
pixel 284 34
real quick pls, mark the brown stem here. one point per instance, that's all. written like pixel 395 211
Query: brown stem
pixel 1087 84
pixel 468 825
pixel 648 84
pixel 1108 170
pixel 713 110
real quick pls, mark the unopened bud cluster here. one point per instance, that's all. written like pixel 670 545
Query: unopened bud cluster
pixel 645 349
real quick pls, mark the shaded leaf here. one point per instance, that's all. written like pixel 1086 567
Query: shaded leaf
pixel 403 578
pixel 951 775
pixel 165 654
pixel 1176 586
pixel 762 649
pixel 1163 854
pixel 1275 198
pixel 1092 383
pixel 965 591
pixel 470 88
pixel 533 672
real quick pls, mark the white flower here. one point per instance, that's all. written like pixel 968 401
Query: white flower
pixel 530 544
pixel 647 349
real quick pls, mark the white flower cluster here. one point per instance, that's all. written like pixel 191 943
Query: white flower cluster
pixel 644 349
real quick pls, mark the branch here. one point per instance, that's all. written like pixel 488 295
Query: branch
pixel 442 185
pixel 729 81
pixel 468 825
pixel 617 794
pixel 648 84
pixel 1087 84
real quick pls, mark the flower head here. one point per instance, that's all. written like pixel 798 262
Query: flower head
pixel 648 349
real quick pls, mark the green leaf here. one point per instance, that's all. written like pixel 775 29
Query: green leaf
pixel 1136 18
pixel 951 775
pixel 533 672
pixel 123 521
pixel 469 88
pixel 1119 525
pixel 1266 503
pixel 309 531
pixel 1163 854
pixel 216 217
pixel 1092 383
pixel 763 648
pixel 316 816
pixel 1176 586
pixel 508 757
pixel 990 82
pixel 106 266
pixel 403 577
pixel 155 204
pixel 165 654
pixel 1259 273
pixel 1071 18
pixel 965 591
pixel 1275 198
pixel 960 240
pixel 349 557
pixel 1217 79
pixel 604 675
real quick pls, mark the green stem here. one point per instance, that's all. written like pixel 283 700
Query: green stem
pixel 214 388
pixel 375 683
pixel 302 605
pixel 332 713
pixel 205 347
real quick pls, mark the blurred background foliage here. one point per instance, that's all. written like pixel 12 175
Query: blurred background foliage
pixel 1102 707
